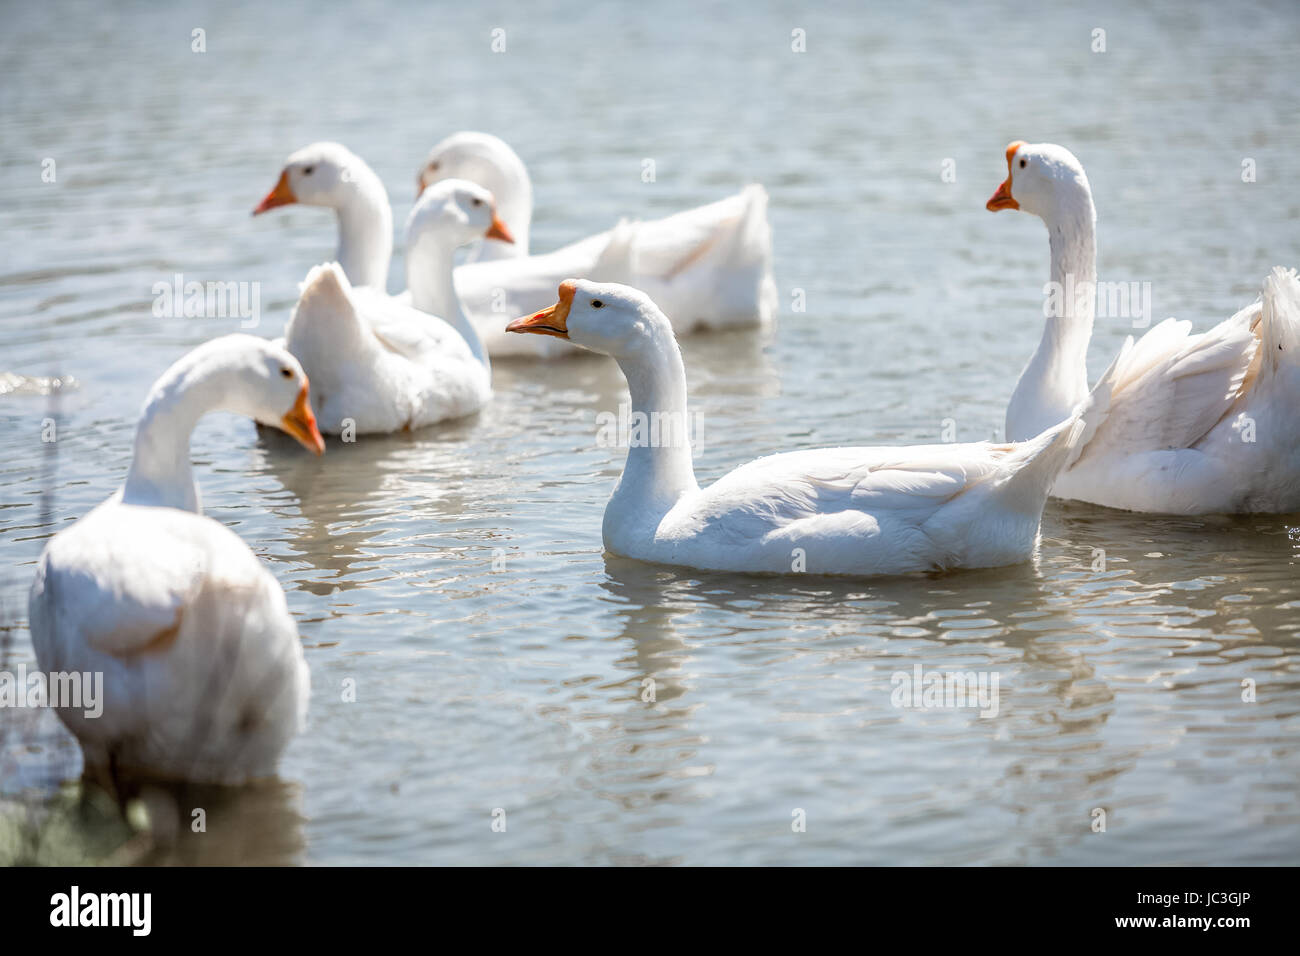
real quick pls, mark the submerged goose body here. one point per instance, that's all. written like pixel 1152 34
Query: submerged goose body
pixel 1197 423
pixel 855 511
pixel 707 267
pixel 382 364
pixel 204 677
pixel 711 265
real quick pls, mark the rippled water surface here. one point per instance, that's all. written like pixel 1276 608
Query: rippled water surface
pixel 456 575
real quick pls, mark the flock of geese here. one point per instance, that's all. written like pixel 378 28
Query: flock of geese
pixel 204 674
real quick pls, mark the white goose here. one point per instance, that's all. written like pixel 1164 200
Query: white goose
pixel 331 175
pixel 1197 424
pixel 381 364
pixel 857 511
pixel 485 159
pixel 713 263
pixel 203 673
pixel 707 267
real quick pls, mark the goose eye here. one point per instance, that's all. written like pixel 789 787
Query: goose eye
pixel 1023 162
pixel 287 372
pixel 306 170
pixel 433 167
pixel 477 201
pixel 597 304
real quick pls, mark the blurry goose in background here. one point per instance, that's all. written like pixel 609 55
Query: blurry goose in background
pixel 708 267
pixel 484 159
pixel 203 673
pixel 712 264
pixel 1198 423
pixel 858 511
pixel 381 363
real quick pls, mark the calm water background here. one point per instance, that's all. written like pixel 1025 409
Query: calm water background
pixel 457 575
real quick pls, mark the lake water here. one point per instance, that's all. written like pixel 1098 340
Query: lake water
pixel 456 577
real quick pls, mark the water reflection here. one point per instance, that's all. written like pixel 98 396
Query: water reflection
pixel 155 823
pixel 260 824
pixel 341 499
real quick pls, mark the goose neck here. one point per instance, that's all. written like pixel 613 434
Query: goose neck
pixel 658 471
pixel 366 232
pixel 1056 378
pixel 430 275
pixel 160 472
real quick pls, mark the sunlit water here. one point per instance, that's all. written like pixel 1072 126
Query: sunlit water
pixel 456 576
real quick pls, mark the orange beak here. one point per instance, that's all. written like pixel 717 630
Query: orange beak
pixel 552 321
pixel 301 423
pixel 419 186
pixel 498 230
pixel 281 195
pixel 1002 198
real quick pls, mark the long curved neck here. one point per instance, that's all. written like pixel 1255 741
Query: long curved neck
pixel 365 230
pixel 1056 378
pixel 658 470
pixel 430 269
pixel 160 472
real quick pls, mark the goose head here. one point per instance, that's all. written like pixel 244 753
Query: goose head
pixel 262 381
pixel 479 157
pixel 1043 179
pixel 484 159
pixel 234 373
pixel 604 317
pixel 455 211
pixel 322 174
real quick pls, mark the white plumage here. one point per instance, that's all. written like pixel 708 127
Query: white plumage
pixel 706 267
pixel 859 511
pixel 712 264
pixel 386 363
pixel 1197 423
pixel 204 677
